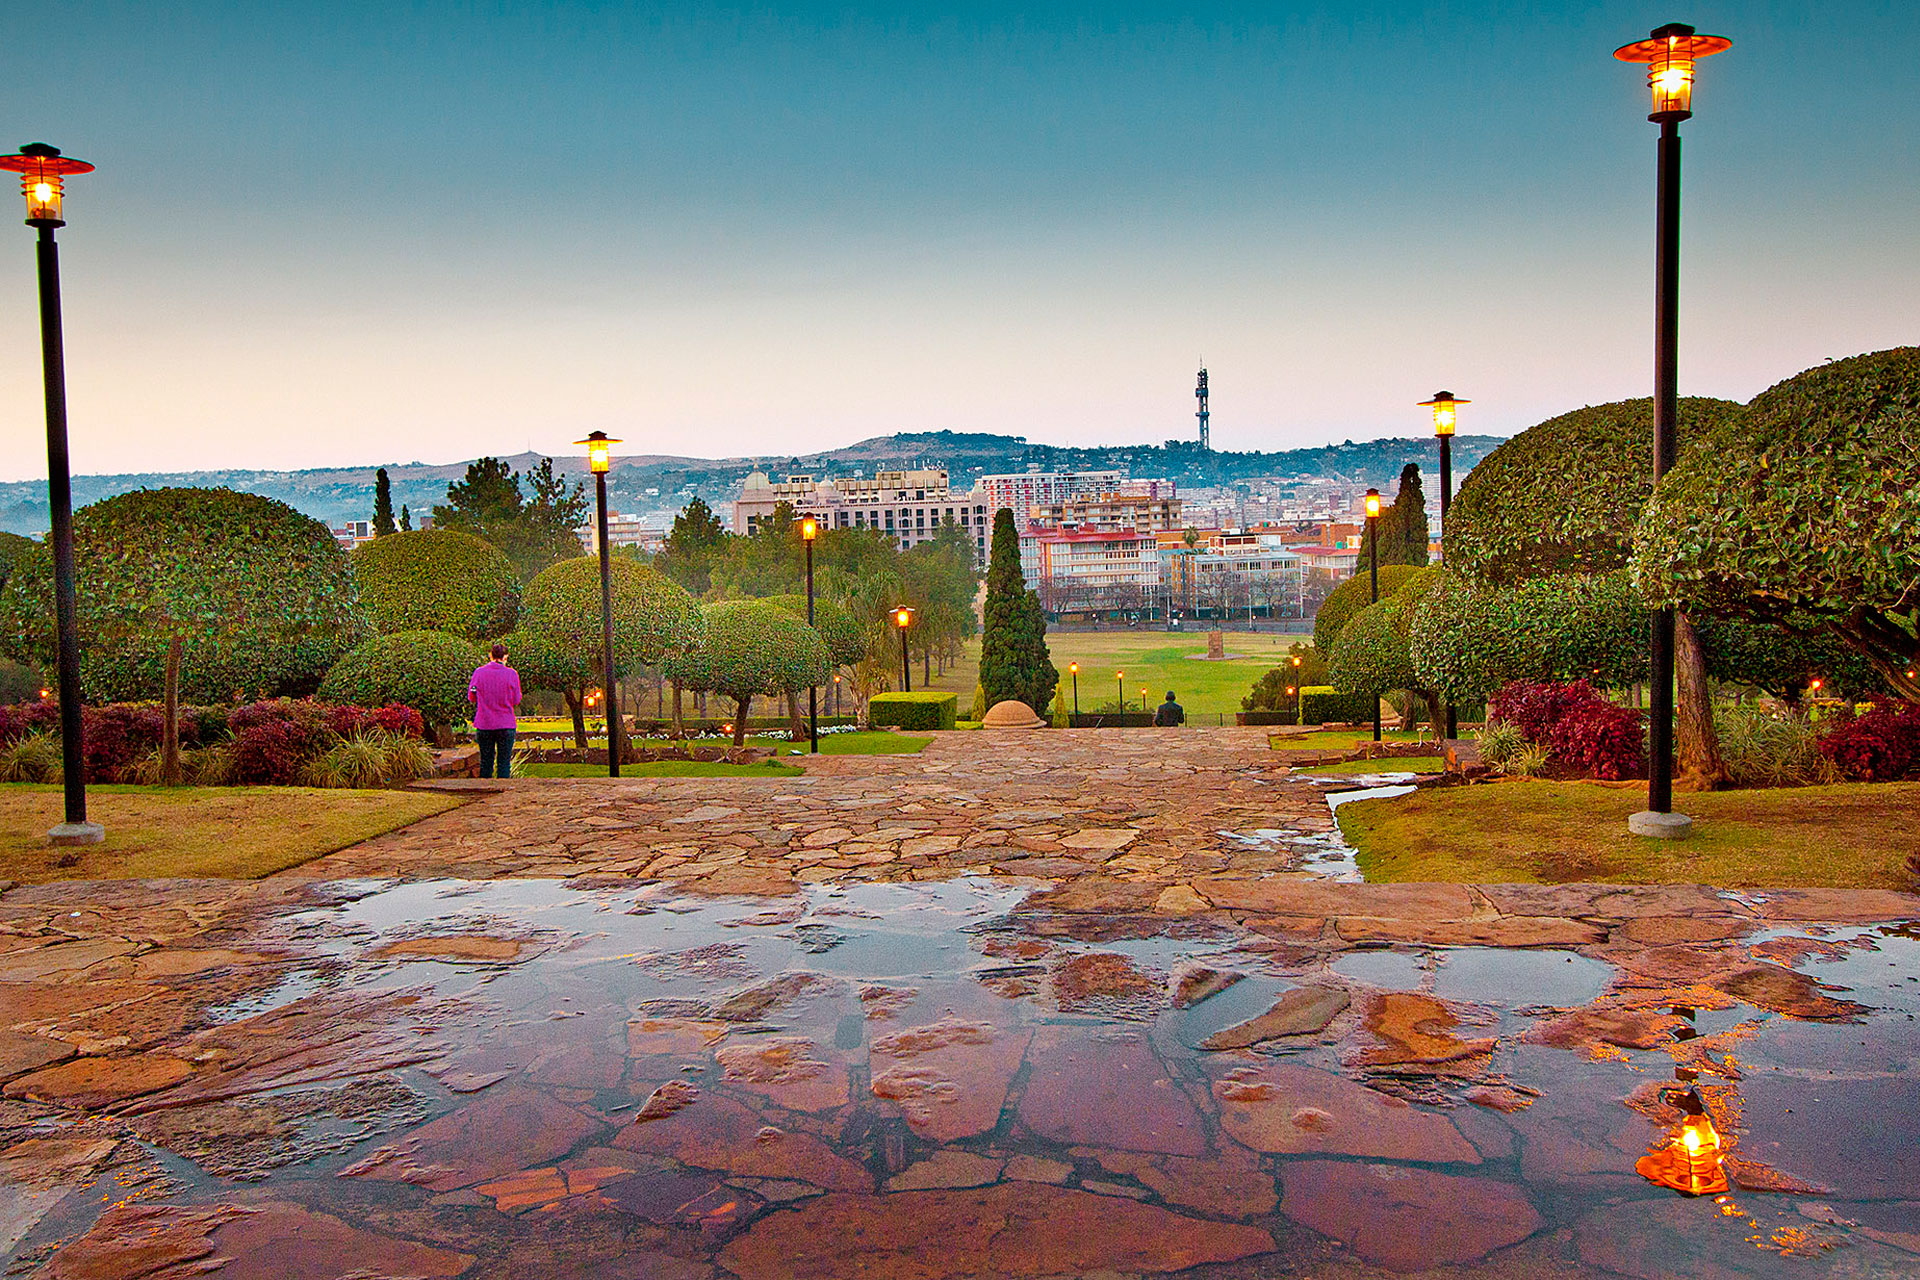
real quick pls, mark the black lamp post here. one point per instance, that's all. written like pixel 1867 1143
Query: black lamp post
pixel 903 618
pixel 1295 691
pixel 1446 414
pixel 1073 669
pixel 1373 570
pixel 809 530
pixel 1669 53
pixel 600 458
pixel 1120 680
pixel 43 171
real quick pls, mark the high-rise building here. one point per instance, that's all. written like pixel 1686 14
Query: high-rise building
pixel 907 506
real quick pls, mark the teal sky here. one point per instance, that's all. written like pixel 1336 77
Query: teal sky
pixel 355 233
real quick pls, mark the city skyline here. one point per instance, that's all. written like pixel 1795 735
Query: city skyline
pixel 327 239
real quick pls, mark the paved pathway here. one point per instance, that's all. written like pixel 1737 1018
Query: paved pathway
pixel 1143 809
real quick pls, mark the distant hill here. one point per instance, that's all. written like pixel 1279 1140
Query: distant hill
pixel 647 483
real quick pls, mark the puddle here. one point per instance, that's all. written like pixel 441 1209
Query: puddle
pixel 895 1064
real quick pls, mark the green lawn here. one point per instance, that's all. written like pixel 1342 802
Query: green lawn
pixel 1342 739
pixel 1157 659
pixel 1405 764
pixel 665 769
pixel 229 832
pixel 1538 832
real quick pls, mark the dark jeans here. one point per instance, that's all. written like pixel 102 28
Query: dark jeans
pixel 496 751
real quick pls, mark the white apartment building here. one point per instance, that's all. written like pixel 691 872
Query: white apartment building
pixel 624 531
pixel 1021 492
pixel 1098 570
pixel 906 506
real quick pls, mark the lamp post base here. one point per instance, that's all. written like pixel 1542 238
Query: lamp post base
pixel 1660 826
pixel 68 833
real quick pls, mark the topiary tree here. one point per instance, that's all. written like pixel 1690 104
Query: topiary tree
pixel 425 670
pixel 751 647
pixel 1350 597
pixel 560 610
pixel 206 593
pixel 838 631
pixel 1375 658
pixel 1014 662
pixel 437 580
pixel 1807 508
pixel 1466 641
pixel 1270 690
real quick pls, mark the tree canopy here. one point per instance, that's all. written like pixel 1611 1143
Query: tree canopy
pixel 1402 526
pixel 382 504
pixel 1350 597
pixel 693 544
pixel 1014 662
pixel 1466 640
pixel 652 616
pixel 751 647
pixel 260 597
pixel 1807 507
pixel 426 670
pixel 437 580
pixel 534 529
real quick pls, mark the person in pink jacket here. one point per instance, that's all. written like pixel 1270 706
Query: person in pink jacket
pixel 494 692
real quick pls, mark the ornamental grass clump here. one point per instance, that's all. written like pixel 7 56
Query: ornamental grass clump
pixel 34 757
pixel 1765 748
pixel 370 758
pixel 1498 743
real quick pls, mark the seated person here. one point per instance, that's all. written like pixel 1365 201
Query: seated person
pixel 1169 713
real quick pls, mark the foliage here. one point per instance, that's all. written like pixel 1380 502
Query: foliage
pixel 437 580
pixel 693 545
pixel 1371 654
pixel 1562 497
pixel 370 758
pixel 914 710
pixel 1575 724
pixel 751 647
pixel 532 530
pixel 28 717
pixel 1350 597
pixel 425 670
pixel 1467 640
pixel 1498 742
pixel 652 617
pixel 1785 658
pixel 1402 525
pixel 977 710
pixel 1014 663
pixel 19 682
pixel 32 758
pixel 1324 704
pixel 838 631
pixel 1527 761
pixel 1270 690
pixel 1765 748
pixel 1808 506
pixel 382 504
pixel 1880 746
pixel 260 597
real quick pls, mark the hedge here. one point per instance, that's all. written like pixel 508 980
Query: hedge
pixel 913 710
pixel 437 580
pixel 1324 704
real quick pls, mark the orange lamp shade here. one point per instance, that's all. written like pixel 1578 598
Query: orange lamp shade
pixel 43 171
pixel 1289 690
pixel 1373 503
pixel 1073 668
pixel 903 617
pixel 1670 53
pixel 809 528
pixel 599 451
pixel 1446 411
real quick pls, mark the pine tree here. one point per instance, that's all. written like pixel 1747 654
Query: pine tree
pixel 382 503
pixel 1014 664
pixel 406 519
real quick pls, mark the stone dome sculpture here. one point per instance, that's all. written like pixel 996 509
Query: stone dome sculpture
pixel 1012 714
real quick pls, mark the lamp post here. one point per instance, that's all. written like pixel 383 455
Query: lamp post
pixel 809 530
pixel 600 459
pixel 1373 571
pixel 1295 690
pixel 1669 53
pixel 43 172
pixel 903 618
pixel 1073 669
pixel 1446 414
pixel 1120 682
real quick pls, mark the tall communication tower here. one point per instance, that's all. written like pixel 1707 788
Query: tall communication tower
pixel 1200 393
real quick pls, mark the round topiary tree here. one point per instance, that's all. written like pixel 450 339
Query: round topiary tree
pixel 205 593
pixel 845 643
pixel 1371 655
pixel 1465 641
pixel 1350 597
pixel 437 580
pixel 1809 508
pixel 751 647
pixel 425 670
pixel 652 617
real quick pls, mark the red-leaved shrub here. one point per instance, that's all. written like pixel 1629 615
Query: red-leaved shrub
pixel 1582 729
pixel 401 721
pixel 20 719
pixel 274 753
pixel 1880 746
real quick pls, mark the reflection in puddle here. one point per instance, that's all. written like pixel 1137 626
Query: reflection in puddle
pixel 629 1082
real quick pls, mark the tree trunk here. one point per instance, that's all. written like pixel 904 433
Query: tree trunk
pixel 679 719
pixel 926 667
pixel 796 726
pixel 1436 713
pixel 1695 741
pixel 740 723
pixel 575 700
pixel 616 725
pixel 700 703
pixel 170 736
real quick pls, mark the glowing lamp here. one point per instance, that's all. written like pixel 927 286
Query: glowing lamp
pixel 43 171
pixel 45 694
pixel 1690 1161
pixel 1296 659
pixel 1073 668
pixel 1815 686
pixel 809 528
pixel 599 451
pixel 1445 411
pixel 1373 503
pixel 1670 53
pixel 1119 675
pixel 903 617
pixel 1289 690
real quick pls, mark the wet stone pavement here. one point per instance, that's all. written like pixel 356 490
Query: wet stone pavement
pixel 1225 1068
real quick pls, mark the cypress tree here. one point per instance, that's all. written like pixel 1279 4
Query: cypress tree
pixel 1402 527
pixel 382 503
pixel 406 519
pixel 1014 664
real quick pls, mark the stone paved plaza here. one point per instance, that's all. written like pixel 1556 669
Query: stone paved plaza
pixel 1033 1005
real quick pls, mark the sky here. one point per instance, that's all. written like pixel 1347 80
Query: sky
pixel 351 233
